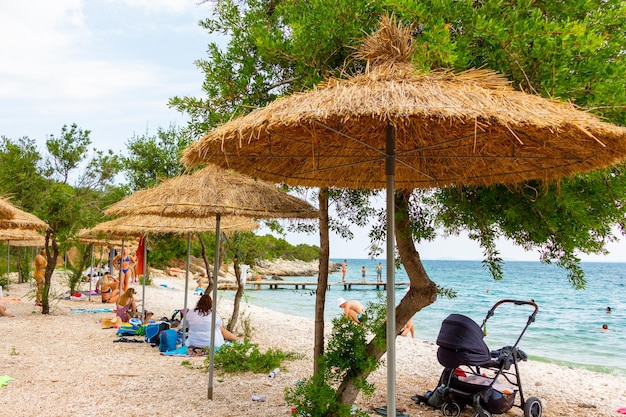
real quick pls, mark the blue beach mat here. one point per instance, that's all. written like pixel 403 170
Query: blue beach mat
pixel 95 310
pixel 181 351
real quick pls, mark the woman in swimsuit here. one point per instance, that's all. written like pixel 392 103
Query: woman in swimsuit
pixel 126 305
pixel 109 289
pixel 124 262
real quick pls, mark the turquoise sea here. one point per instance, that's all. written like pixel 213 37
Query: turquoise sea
pixel 567 330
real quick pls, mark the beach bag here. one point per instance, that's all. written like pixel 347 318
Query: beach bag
pixel 153 331
pixel 132 328
pixel 167 340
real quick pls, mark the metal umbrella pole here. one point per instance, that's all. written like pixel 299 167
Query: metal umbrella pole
pixel 391 300
pixel 216 269
pixel 187 286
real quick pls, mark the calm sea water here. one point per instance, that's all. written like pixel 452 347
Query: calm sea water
pixel 567 330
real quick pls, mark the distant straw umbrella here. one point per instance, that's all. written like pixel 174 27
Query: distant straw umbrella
pixel 143 225
pixel 12 217
pixel 11 235
pixel 393 126
pixel 214 192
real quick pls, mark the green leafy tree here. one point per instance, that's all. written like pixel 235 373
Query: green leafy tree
pixel 67 188
pixel 153 158
pixel 572 50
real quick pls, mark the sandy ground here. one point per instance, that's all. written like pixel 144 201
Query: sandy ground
pixel 65 364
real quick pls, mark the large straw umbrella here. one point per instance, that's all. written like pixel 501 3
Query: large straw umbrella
pixel 209 192
pixel 442 129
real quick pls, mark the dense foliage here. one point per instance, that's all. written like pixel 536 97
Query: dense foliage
pixel 571 50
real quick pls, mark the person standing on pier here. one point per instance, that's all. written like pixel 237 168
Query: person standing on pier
pixel 344 269
pixel 379 272
pixel 363 274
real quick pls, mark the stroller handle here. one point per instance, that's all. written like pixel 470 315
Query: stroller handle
pixel 532 303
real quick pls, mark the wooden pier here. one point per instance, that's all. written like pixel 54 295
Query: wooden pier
pixel 275 284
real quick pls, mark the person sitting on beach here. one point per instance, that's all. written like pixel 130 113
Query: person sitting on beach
pixel 199 322
pixel 109 289
pixel 126 305
pixel 408 328
pixel 352 309
pixel 3 312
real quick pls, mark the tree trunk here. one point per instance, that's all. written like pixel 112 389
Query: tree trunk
pixel 422 291
pixel 233 319
pixel 52 253
pixel 207 265
pixel 322 280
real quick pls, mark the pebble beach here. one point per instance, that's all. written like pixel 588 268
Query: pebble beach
pixel 65 364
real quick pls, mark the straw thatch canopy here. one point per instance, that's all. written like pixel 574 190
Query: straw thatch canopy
pixel 469 128
pixel 140 224
pixel 212 191
pixel 87 236
pixel 15 234
pixel 12 217
pixel 5 209
pixel 29 243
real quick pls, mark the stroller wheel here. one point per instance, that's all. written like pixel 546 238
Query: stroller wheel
pixel 532 407
pixel 450 409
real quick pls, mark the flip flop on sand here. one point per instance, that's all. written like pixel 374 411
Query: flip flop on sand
pixel 400 412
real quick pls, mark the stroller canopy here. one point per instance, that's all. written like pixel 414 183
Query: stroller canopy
pixel 461 342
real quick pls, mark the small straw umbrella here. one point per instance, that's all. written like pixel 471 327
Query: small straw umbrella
pixel 12 217
pixel 142 225
pixel 19 236
pixel 213 191
pixel 392 126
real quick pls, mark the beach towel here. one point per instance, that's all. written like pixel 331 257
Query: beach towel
pixel 131 329
pixel 181 351
pixel 4 380
pixel 93 311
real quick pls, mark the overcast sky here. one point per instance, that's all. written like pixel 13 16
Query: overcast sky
pixel 111 66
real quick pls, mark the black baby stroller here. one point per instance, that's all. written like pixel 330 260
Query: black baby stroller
pixel 474 376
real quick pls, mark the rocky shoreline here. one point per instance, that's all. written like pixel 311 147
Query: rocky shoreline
pixel 266 269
